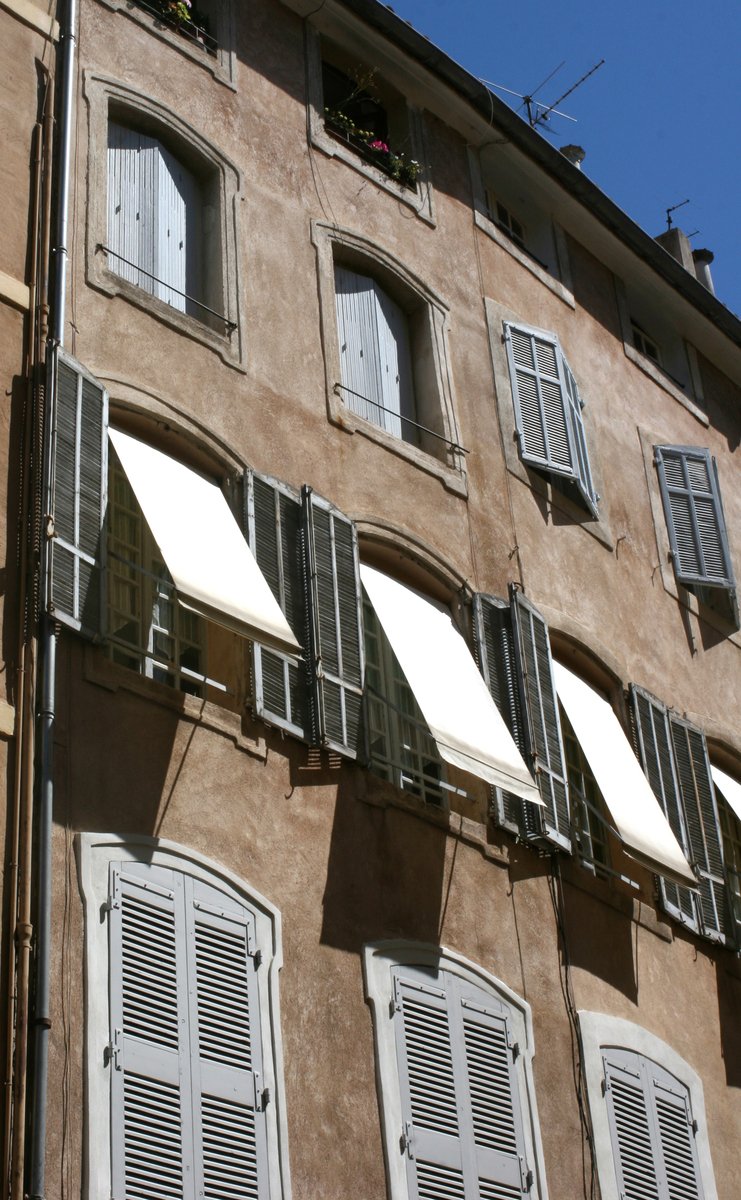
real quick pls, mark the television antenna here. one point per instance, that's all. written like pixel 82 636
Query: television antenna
pixel 537 112
pixel 672 209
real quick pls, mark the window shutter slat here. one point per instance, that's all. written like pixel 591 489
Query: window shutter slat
pixel 690 492
pixel 77 552
pixel 274 532
pixel 336 630
pixel 657 758
pixel 703 827
pixel 497 660
pixel 543 726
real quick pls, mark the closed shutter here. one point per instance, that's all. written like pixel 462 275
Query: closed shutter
pixel 187 1102
pixel 543 726
pixel 690 492
pixel 78 501
pixel 657 758
pixel 178 235
pixel 703 827
pixel 360 361
pixel 396 366
pixel 129 226
pixel 497 661
pixel 274 532
pixel 651 1130
pixel 461 1104
pixel 336 625
pixel 548 415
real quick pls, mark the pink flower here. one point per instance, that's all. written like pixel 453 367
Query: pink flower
pixel 379 145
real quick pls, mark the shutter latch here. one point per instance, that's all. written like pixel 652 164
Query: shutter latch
pixel 407 1139
pixel 113 1050
pixel 261 1094
pixel 526 1176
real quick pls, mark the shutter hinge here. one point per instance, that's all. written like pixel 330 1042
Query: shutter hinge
pixel 526 1176
pixel 407 1139
pixel 261 1094
pixel 252 950
pixel 693 1125
pixel 514 1047
pixel 396 1000
pixel 605 1087
pixel 113 1050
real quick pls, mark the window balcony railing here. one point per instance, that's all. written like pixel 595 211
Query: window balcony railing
pixel 181 16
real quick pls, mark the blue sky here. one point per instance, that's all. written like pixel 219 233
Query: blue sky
pixel 659 121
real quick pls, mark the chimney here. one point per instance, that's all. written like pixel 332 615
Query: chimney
pixel 678 245
pixel 702 260
pixel 575 155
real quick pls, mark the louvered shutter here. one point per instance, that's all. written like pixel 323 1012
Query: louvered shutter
pixel 187 1101
pixel 543 727
pixel 78 502
pixel 676 1135
pixel 274 531
pixel 657 758
pixel 582 470
pixel 336 625
pixel 497 660
pixel 690 492
pixel 360 360
pixel 461 1105
pixel 703 827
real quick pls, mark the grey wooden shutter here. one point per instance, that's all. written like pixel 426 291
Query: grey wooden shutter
pixel 651 1129
pixel 657 757
pixel 76 558
pixel 497 660
pixel 688 478
pixel 336 625
pixel 187 1098
pixel 177 230
pixel 582 470
pixel 129 226
pixel 703 827
pixel 543 725
pixel 396 366
pixel 274 531
pixel 357 330
pixel 461 1104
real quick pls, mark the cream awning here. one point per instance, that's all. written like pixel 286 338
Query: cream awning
pixel 455 702
pixel 212 567
pixel 645 831
pixel 729 789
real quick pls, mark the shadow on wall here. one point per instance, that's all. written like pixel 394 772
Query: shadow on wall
pixel 386 870
pixel 729 1007
pixel 599 941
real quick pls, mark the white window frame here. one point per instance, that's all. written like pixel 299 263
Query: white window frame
pixel 95 854
pixel 379 961
pixel 599 1030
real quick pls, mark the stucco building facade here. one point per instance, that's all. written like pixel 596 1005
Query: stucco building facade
pixel 372 689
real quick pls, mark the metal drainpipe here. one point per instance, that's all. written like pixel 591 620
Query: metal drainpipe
pixel 48 646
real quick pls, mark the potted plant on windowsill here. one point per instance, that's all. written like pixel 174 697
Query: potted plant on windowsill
pixel 394 163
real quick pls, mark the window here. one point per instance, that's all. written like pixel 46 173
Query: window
pixel 588 817
pixel 698 539
pixel 674 756
pixel 506 221
pixel 653 342
pixel 354 112
pixel 454 1050
pixel 201 31
pixel 375 355
pixel 196 24
pixel 728 796
pixel 184 1089
pixel 548 412
pixel 644 344
pixel 648 1114
pixel 178 561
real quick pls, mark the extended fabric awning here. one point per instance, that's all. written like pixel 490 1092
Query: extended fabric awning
pixel 729 789
pixel 455 702
pixel 644 829
pixel 212 567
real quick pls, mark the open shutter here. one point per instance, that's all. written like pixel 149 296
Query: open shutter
pixel 75 586
pixel 688 478
pixel 274 532
pixel 539 398
pixel 632 1129
pixel 360 361
pixel 543 727
pixel 582 470
pixel 497 660
pixel 657 758
pixel 336 628
pixel 676 1135
pixel 703 828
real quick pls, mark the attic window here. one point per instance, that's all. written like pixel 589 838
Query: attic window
pixel 644 345
pixel 355 111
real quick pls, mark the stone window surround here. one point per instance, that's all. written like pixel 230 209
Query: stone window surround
pixel 94 852
pixel 420 201
pixel 222 65
pixel 103 92
pixel 326 239
pixel 598 1030
pixel 497 314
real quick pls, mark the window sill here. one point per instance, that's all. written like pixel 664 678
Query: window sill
pixel 487 226
pixel 662 379
pixel 219 65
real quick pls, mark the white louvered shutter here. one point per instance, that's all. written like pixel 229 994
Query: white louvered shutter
pixel 461 1103
pixel 360 360
pixel 657 758
pixel 187 1098
pixel 79 489
pixel 688 478
pixel 336 625
pixel 273 523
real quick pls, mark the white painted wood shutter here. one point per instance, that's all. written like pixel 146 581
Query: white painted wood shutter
pixel 461 1101
pixel 651 1129
pixel 375 354
pixel 548 409
pixel 688 478
pixel 187 1097
pixel 515 658
pixel 76 585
